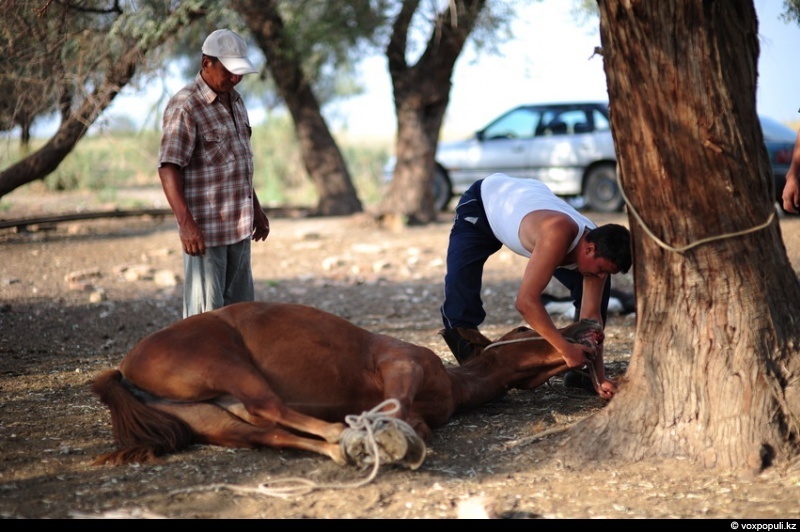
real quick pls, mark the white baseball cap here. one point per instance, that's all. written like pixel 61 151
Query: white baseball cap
pixel 231 50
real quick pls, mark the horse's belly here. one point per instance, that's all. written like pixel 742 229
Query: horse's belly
pixel 333 402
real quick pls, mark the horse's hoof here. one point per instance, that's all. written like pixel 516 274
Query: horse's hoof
pixel 352 443
pixel 416 452
pixel 393 442
pixel 401 442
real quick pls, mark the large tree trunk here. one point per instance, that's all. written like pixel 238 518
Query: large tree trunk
pixel 421 95
pixel 713 376
pixel 321 156
pixel 75 122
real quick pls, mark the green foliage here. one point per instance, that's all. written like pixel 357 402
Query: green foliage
pixel 366 162
pixel 280 176
pixel 56 54
pixel 105 163
pixel 791 11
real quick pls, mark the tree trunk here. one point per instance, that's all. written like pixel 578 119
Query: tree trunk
pixel 321 156
pixel 713 377
pixel 421 94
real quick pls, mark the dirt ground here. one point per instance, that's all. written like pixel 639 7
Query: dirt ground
pixel 76 296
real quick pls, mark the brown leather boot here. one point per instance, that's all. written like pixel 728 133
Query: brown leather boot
pixel 460 346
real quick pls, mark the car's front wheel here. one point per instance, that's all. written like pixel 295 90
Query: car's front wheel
pixel 441 189
pixel 601 192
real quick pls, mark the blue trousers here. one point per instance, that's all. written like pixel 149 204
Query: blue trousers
pixel 471 244
pixel 220 277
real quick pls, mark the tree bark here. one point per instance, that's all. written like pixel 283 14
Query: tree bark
pixel 713 377
pixel 421 94
pixel 323 160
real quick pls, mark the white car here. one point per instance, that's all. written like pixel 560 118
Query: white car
pixel 568 146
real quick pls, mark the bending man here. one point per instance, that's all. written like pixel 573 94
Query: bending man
pixel 526 217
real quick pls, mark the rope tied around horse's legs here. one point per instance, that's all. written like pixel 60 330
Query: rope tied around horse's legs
pixel 366 422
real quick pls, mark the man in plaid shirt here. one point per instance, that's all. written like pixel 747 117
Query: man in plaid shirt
pixel 206 171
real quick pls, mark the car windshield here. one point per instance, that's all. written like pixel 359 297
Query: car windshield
pixel 775 131
pixel 517 124
pixel 530 121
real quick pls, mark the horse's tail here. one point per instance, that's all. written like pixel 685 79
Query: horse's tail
pixel 142 433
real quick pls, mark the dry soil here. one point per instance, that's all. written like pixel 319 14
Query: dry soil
pixel 74 297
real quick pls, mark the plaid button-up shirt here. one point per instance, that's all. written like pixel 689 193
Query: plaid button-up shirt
pixel 212 148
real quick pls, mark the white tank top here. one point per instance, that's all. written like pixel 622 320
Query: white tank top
pixel 507 200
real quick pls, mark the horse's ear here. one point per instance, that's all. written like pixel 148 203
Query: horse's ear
pixel 580 326
pixel 474 336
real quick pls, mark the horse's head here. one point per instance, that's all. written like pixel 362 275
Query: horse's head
pixel 587 332
pixel 534 359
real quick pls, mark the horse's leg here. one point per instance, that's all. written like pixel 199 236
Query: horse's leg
pixel 543 376
pixel 402 379
pixel 216 426
pixel 257 404
pixel 222 369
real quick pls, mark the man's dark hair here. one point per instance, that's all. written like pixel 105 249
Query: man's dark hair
pixel 612 242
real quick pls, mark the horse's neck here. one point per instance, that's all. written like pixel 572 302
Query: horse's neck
pixel 492 373
pixel 483 378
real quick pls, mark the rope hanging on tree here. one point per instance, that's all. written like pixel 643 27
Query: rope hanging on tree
pixel 693 244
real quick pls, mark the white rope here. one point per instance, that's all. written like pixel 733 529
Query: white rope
pixel 514 341
pixel 517 340
pixel 293 486
pixel 687 247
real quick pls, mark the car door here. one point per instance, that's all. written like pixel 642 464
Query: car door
pixel 502 146
pixel 563 146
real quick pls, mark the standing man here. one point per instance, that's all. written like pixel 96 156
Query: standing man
pixel 526 217
pixel 206 168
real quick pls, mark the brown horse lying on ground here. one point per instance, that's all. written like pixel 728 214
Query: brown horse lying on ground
pixel 282 375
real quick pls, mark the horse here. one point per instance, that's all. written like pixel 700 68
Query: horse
pixel 283 375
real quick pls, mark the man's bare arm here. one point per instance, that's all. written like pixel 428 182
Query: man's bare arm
pixel 190 234
pixel 791 190
pixel 548 237
pixel 591 309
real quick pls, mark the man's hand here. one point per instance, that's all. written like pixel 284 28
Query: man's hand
pixel 607 389
pixel 577 355
pixel 791 194
pixel 260 225
pixel 191 236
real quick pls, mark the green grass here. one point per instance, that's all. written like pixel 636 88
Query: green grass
pixel 106 162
